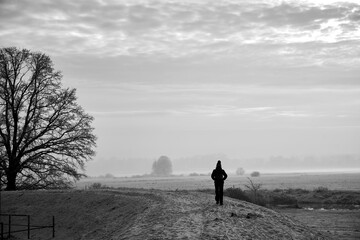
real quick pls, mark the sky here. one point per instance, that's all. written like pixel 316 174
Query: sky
pixel 252 78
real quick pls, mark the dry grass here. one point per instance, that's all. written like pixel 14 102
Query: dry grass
pixel 308 181
pixel 152 214
pixel 78 214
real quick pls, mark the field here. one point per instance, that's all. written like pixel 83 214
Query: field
pixel 172 208
pixel 309 181
pixel 341 223
pixel 114 214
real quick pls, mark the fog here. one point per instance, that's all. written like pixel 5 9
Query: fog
pixel 204 164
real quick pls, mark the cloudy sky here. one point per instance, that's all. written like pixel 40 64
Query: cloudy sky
pixel 192 77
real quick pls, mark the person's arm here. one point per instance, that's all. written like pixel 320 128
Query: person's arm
pixel 225 175
pixel 213 175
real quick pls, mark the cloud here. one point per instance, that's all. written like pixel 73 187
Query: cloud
pixel 176 28
pixel 129 113
pixel 147 68
pixel 238 104
pixel 224 110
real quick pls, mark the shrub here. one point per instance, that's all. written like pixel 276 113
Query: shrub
pixel 283 199
pixel 254 188
pixel 321 189
pixel 299 191
pixel 96 185
pixel 236 193
pixel 255 174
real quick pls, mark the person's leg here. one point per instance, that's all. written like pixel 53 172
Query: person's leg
pixel 217 193
pixel 221 192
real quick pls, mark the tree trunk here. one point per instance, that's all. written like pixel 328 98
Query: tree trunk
pixel 11 181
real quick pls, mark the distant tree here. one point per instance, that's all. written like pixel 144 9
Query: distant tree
pixel 162 167
pixel 240 171
pixel 255 174
pixel 45 136
pixel 109 175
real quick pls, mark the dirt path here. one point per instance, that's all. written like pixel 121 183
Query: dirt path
pixel 194 215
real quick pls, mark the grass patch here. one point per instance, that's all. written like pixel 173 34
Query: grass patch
pixel 237 193
pixel 320 197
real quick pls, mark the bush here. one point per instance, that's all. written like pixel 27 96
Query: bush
pixel 283 199
pixel 236 193
pixel 96 185
pixel 321 189
pixel 258 199
pixel 299 191
pixel 255 174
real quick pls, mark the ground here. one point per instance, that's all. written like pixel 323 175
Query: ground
pixel 150 214
pixel 341 223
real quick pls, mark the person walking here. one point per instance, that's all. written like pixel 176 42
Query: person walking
pixel 219 175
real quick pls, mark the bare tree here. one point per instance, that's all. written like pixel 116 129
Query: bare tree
pixel 45 136
pixel 254 188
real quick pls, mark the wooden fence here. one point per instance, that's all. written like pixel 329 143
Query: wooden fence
pixel 16 223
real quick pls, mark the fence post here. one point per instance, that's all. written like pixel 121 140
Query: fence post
pixel 9 234
pixel 28 218
pixel 53 226
pixel 2 231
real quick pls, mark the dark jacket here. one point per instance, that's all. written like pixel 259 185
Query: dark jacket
pixel 218 174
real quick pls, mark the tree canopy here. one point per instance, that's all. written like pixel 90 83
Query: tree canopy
pixel 162 167
pixel 45 136
pixel 240 171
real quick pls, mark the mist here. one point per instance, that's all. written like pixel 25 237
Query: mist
pixel 204 164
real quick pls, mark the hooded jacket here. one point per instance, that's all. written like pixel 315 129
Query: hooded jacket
pixel 218 173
